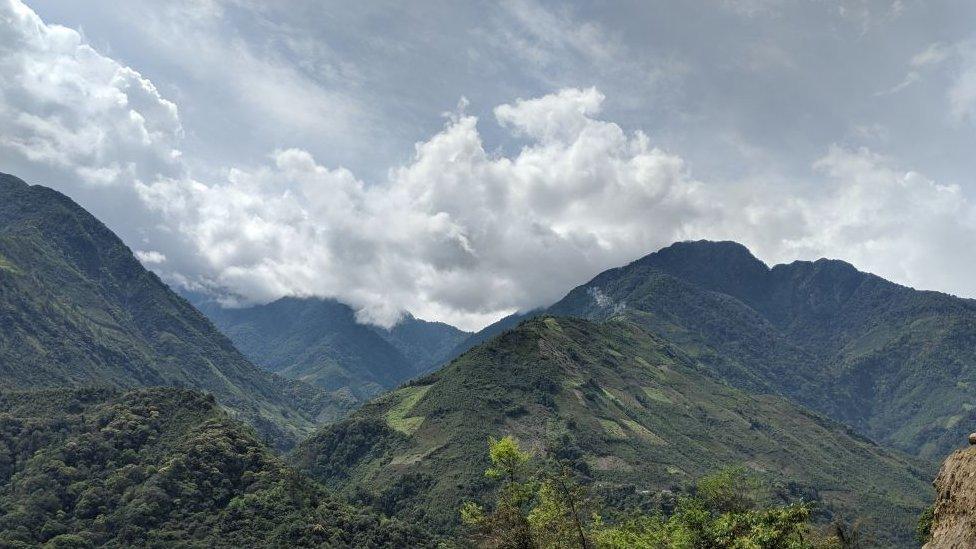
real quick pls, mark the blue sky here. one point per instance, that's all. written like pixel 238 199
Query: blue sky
pixel 464 160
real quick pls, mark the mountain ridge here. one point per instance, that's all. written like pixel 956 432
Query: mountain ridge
pixel 894 362
pixel 77 308
pixel 320 341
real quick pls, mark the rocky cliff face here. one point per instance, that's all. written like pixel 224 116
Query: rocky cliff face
pixel 954 519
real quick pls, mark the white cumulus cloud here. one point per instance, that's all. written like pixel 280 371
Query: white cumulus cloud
pixel 63 104
pixel 456 233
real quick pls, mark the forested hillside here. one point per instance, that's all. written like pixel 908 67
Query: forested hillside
pixel 630 411
pixel 897 364
pixel 160 467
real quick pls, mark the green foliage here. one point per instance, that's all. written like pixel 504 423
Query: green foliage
pixel 89 314
pixel 582 394
pixel 923 530
pixel 731 490
pixel 507 460
pixel 552 515
pixel 533 509
pixel 161 467
pixel 724 512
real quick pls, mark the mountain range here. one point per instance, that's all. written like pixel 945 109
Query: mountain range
pixel 897 364
pixel 834 385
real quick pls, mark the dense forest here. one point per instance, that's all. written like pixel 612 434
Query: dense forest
pixel 160 467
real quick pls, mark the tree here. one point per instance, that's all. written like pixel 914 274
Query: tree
pixel 546 506
pixel 507 526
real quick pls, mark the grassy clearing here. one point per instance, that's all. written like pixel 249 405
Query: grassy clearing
pixel 6 265
pixel 397 417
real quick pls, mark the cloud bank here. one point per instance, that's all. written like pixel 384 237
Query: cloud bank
pixel 458 232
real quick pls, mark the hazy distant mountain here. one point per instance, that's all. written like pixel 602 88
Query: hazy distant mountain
pixel 896 363
pixel 319 341
pixel 627 408
pixel 76 308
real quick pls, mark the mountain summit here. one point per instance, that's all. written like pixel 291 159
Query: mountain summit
pixel 896 363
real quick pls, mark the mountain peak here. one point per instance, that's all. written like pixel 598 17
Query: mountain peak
pixel 93 315
pixel 712 251
pixel 11 181
pixel 725 266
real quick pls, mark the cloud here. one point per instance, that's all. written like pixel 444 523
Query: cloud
pixel 463 235
pixel 752 8
pixel 457 232
pixel 911 78
pixel 934 54
pixel 150 257
pixel 962 92
pixel 65 105
pixel 897 223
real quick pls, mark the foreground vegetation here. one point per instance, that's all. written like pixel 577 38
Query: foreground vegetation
pixel 162 468
pixel 543 505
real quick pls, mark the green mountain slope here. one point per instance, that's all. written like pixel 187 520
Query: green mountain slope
pixel 163 468
pixel 490 331
pixel 629 408
pixel 319 341
pixel 896 363
pixel 76 308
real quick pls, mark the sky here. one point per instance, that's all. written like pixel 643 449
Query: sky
pixel 464 160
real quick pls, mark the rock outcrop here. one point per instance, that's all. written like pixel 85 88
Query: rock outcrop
pixel 954 518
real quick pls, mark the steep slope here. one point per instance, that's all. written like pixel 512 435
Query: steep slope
pixel 76 308
pixel 160 467
pixel 896 363
pixel 627 407
pixel 319 341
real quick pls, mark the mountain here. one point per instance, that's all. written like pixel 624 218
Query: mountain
pixel 320 342
pixel 631 410
pixel 427 345
pixel 78 309
pixel 160 467
pixel 897 364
